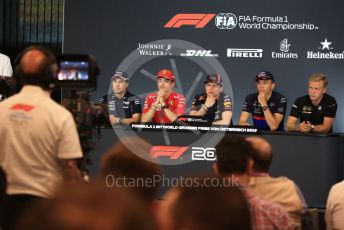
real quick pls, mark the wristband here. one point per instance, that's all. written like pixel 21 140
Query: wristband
pixel 205 107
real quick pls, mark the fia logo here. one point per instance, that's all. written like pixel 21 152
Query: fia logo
pixel 226 21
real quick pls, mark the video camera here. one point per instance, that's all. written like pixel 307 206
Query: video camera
pixel 78 75
pixel 76 71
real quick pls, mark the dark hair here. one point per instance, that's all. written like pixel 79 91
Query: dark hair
pixel 232 154
pixel 120 161
pixel 44 72
pixel 218 207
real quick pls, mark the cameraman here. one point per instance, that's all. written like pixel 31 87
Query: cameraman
pixel 38 138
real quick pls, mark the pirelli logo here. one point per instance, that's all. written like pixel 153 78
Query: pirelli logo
pixel 197 20
pixel 244 53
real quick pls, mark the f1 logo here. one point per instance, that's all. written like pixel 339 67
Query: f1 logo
pixel 197 20
pixel 203 154
pixel 174 152
pixel 25 108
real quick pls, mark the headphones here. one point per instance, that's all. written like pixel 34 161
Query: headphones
pixel 44 75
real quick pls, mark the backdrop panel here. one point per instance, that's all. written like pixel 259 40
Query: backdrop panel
pixel 298 31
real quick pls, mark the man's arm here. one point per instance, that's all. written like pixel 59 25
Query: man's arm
pixel 292 124
pixel 306 127
pixel 199 109
pixel 170 115
pixel 244 118
pixel 226 118
pixel 295 114
pixel 149 110
pixel 113 119
pixel 273 120
pixel 325 127
pixel 135 118
pixel 303 127
pixel 70 172
pixel 179 110
pixel 199 112
pixel 135 111
pixel 148 116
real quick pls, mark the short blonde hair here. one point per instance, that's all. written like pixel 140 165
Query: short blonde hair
pixel 319 77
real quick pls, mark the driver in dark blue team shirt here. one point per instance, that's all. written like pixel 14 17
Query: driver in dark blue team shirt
pixel 267 107
pixel 213 104
pixel 123 106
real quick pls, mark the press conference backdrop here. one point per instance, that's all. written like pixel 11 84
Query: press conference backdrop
pixel 292 39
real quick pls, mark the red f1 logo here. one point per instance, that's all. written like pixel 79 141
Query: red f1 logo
pixel 23 107
pixel 174 152
pixel 197 20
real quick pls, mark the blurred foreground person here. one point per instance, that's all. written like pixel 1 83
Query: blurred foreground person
pixel 219 207
pixel 335 207
pixel 128 163
pixel 234 160
pixel 89 207
pixel 280 190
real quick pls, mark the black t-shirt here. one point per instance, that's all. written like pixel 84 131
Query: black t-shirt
pixel 304 109
pixel 214 113
pixel 277 104
pixel 123 107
